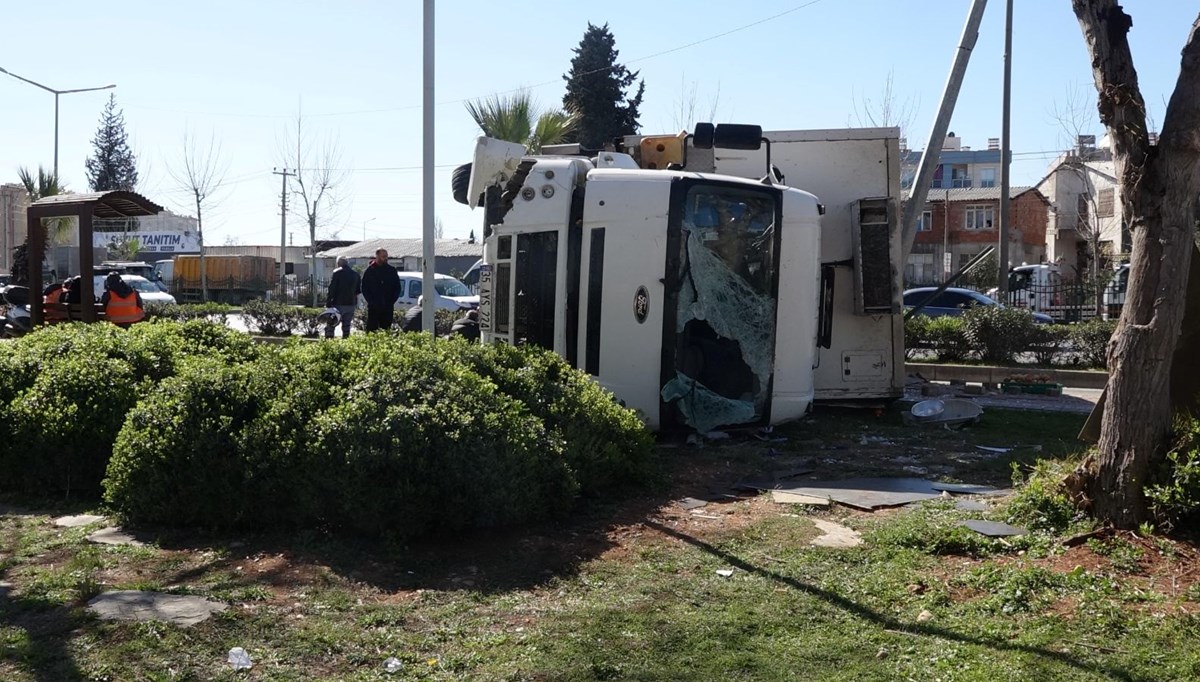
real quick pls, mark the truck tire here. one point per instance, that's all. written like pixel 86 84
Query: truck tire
pixel 460 181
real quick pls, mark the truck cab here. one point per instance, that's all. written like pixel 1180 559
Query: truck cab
pixel 699 299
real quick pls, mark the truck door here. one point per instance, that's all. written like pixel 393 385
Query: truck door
pixel 719 321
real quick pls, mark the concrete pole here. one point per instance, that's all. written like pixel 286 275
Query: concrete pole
pixel 1005 147
pixel 933 148
pixel 56 180
pixel 429 310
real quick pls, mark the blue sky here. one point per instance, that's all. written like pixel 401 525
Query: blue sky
pixel 240 70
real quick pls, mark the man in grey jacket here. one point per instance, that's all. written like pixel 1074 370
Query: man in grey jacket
pixel 344 287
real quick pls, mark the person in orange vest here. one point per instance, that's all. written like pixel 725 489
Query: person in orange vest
pixel 122 305
pixel 54 294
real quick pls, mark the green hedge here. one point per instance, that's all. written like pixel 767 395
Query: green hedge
pixel 379 434
pixel 998 335
pixel 213 312
pixel 65 391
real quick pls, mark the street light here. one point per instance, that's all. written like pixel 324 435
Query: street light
pixel 365 228
pixel 56 94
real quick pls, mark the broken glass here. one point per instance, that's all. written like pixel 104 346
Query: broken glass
pixel 726 305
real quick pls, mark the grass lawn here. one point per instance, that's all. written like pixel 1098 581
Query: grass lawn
pixel 629 589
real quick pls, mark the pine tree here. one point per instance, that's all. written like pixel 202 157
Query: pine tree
pixel 112 165
pixel 597 91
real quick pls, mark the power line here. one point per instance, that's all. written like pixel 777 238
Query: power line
pixel 410 107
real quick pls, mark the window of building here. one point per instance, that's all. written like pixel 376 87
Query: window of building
pixel 1104 202
pixel 987 177
pixel 979 217
pixel 925 223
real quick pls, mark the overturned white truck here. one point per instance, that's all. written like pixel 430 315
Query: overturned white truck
pixel 722 278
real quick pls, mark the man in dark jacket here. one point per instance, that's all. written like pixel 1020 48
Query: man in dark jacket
pixel 344 287
pixel 466 326
pixel 414 320
pixel 381 288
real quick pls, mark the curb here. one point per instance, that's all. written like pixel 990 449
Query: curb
pixel 984 374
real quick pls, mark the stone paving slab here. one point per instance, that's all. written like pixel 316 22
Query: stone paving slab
pixel 183 610
pixel 835 535
pixel 113 536
pixel 77 521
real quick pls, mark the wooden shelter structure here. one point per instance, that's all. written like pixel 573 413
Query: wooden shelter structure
pixel 83 207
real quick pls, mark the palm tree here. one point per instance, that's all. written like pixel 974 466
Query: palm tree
pixel 46 185
pixel 517 118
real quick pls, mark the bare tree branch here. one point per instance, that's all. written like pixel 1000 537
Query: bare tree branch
pixel 319 178
pixel 201 173
pixel 887 111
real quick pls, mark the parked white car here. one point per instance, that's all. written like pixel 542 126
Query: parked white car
pixel 149 291
pixel 451 293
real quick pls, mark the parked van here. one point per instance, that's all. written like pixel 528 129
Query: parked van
pixel 1114 293
pixel 1036 287
pixel 471 279
pixel 451 293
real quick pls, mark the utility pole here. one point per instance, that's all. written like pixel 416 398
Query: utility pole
pixel 284 175
pixel 1005 148
pixel 947 264
pixel 427 159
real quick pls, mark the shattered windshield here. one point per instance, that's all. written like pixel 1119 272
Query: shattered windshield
pixel 726 301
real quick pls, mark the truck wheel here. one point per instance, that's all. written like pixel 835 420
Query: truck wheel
pixel 460 182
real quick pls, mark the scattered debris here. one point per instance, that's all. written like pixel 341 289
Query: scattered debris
pixel 392 665
pixel 725 572
pixel 788 497
pixel 954 412
pixel 994 450
pixel 113 536
pixel 966 488
pixel 717 435
pixel 925 616
pixel 77 521
pixel 835 535
pixel 183 610
pixel 882 653
pixel 874 440
pixel 766 434
pixel 971 505
pixel 993 529
pixel 699 515
pixel 239 659
pixel 692 503
pixel 869 493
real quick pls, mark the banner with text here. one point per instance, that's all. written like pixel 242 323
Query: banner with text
pixel 153 242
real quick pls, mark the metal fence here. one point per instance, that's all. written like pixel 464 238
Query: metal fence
pixel 1067 302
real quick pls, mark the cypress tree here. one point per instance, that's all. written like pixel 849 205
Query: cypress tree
pixel 598 90
pixel 112 165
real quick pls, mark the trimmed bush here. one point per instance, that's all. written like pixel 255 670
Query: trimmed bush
pixel 949 339
pixel 997 333
pixel 1047 341
pixel 606 444
pixel 213 312
pixel 70 417
pixel 65 390
pixel 916 335
pixel 1090 341
pixel 378 434
pixel 269 318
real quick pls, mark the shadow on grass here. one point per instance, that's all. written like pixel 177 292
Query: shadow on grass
pixel 42 647
pixel 887 622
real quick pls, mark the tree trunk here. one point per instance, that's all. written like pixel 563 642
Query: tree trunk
pixel 200 239
pixel 312 248
pixel 1158 193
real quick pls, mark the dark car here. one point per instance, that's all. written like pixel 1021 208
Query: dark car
pixel 953 302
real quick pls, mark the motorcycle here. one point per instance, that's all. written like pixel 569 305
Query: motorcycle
pixel 16 320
